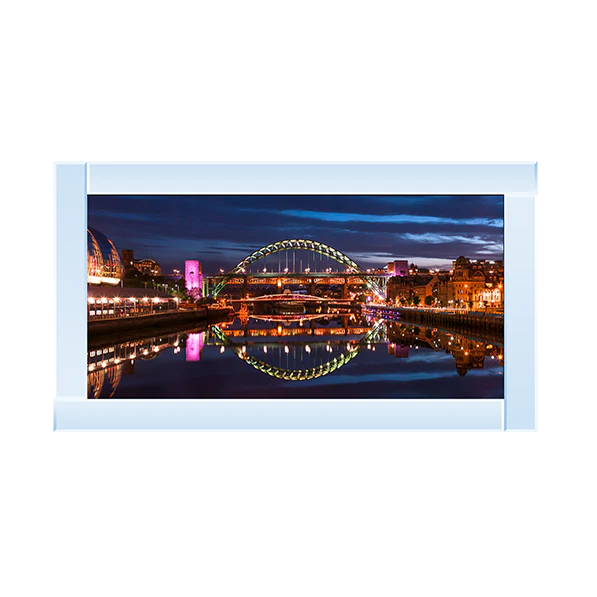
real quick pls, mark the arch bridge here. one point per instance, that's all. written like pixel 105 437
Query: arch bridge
pixel 353 274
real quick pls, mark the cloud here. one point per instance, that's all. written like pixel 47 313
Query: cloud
pixel 392 218
pixel 438 239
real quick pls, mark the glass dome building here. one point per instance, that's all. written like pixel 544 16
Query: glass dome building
pixel 103 262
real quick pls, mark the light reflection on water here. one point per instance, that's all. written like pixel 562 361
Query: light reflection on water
pixel 300 357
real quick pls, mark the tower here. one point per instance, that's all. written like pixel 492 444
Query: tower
pixel 193 275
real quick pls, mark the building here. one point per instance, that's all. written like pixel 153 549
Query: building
pixel 103 262
pixel 110 303
pixel 398 268
pixel 473 284
pixel 477 284
pixel 148 267
pixel 128 259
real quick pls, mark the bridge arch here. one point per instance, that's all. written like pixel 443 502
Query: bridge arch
pixel 299 245
pixel 302 374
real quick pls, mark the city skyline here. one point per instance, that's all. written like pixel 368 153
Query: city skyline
pixel 220 231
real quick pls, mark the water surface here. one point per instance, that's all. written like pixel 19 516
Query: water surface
pixel 349 356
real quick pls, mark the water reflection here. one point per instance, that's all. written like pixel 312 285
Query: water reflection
pixel 298 349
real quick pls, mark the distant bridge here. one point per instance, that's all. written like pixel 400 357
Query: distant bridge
pixel 288 297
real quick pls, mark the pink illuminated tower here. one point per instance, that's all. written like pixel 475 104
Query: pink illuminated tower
pixel 194 347
pixel 193 275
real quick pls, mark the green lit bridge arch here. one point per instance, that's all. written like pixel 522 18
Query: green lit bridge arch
pixel 298 244
pixel 302 374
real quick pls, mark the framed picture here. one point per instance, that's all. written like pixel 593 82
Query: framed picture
pixel 295 296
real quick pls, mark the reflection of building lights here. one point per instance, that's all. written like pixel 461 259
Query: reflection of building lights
pixel 286 349
pixel 279 329
pixel 244 349
pixel 222 349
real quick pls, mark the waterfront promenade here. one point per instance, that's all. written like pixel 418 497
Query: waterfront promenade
pixel 453 319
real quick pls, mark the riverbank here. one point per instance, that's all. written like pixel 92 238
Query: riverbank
pixel 465 322
pixel 115 329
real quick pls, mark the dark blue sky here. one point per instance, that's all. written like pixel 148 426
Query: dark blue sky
pixel 221 230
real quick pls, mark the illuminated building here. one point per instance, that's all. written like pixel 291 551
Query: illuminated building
pixel 398 267
pixel 103 302
pixel 477 284
pixel 103 262
pixel 148 266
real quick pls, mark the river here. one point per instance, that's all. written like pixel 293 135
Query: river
pixel 349 356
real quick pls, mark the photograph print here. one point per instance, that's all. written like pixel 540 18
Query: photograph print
pixel 332 296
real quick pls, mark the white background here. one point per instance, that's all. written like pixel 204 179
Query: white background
pixel 317 513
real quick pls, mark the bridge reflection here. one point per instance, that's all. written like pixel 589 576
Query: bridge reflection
pixel 299 361
pixel 290 348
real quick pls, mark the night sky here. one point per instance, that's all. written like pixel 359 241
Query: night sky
pixel 220 231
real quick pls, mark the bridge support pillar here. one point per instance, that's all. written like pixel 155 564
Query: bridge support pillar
pixel 243 292
pixel 345 289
